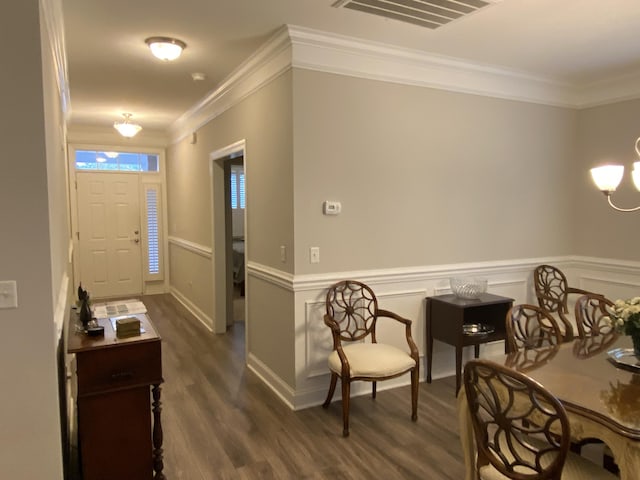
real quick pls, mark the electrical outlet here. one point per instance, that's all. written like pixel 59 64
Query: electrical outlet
pixel 314 255
pixel 283 253
pixel 8 294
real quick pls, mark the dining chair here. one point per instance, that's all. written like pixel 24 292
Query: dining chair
pixel 352 314
pixel 595 334
pixel 591 346
pixel 552 291
pixel 521 429
pixel 529 326
pixel 592 315
pixel 527 359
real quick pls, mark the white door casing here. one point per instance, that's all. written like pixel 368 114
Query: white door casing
pixel 109 234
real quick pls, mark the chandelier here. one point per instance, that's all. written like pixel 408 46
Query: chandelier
pixel 608 177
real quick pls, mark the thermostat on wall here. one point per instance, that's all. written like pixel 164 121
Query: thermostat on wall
pixel 331 208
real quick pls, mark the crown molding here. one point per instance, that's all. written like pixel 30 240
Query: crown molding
pixel 343 55
pixel 298 47
pixel 51 12
pixel 267 63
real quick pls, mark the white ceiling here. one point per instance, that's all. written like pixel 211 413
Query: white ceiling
pixel 575 42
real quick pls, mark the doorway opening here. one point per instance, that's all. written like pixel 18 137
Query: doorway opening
pixel 229 235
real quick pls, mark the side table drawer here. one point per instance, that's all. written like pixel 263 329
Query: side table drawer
pixel 119 367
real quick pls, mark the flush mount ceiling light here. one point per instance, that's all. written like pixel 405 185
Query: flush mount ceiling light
pixel 126 128
pixel 165 48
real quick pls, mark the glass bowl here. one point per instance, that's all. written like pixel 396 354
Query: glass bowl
pixel 469 288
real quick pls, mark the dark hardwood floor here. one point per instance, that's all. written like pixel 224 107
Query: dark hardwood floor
pixel 221 422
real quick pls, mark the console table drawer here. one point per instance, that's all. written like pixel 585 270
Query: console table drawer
pixel 107 369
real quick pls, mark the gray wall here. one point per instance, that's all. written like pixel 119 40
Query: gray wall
pixel 264 120
pixel 35 247
pixel 606 134
pixel 426 176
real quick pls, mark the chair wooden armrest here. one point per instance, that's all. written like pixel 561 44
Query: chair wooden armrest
pixel 580 291
pixel 395 316
pixel 412 346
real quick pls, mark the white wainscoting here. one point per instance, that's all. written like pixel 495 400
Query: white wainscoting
pixel 403 291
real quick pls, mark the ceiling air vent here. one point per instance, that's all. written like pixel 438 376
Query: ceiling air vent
pixel 426 13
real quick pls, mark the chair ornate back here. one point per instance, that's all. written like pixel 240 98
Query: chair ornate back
pixel 529 326
pixel 521 429
pixel 551 288
pixel 353 307
pixel 592 315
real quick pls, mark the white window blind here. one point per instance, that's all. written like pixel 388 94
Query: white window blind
pixel 238 200
pixel 153 216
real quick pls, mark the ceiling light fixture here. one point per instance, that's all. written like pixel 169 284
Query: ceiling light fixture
pixel 126 128
pixel 608 177
pixel 165 48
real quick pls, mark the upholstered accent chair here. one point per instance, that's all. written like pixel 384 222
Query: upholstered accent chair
pixel 352 314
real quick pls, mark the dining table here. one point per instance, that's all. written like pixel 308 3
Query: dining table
pixel 597 379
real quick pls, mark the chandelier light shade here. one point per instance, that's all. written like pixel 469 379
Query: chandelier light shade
pixel 126 128
pixel 165 48
pixel 608 177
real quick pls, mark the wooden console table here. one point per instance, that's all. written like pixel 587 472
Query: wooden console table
pixel 116 379
pixel 446 314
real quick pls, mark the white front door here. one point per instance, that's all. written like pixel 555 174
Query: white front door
pixel 109 234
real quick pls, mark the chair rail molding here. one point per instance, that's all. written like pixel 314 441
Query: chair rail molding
pixel 202 250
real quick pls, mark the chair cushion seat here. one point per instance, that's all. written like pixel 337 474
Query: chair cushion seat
pixel 372 360
pixel 575 467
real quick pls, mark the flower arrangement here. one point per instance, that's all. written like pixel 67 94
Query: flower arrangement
pixel 625 317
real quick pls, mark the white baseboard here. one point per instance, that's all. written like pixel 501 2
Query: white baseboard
pixel 199 314
pixel 273 381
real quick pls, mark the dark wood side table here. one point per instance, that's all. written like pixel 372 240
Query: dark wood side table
pixel 446 314
pixel 118 395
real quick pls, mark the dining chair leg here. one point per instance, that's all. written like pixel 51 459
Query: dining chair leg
pixel 373 389
pixel 346 391
pixel 415 373
pixel 332 389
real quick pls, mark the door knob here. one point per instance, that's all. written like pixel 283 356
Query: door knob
pixel 137 240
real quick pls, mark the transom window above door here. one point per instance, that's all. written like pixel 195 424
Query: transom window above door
pixel 117 161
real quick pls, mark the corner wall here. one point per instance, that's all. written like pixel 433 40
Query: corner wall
pixel 35 239
pixel 264 121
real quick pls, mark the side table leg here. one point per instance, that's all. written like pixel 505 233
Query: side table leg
pixel 458 366
pixel 429 339
pixel 158 463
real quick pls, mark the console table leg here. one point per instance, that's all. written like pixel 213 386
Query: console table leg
pixel 158 463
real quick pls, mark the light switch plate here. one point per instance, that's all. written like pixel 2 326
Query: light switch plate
pixel 8 294
pixel 314 255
